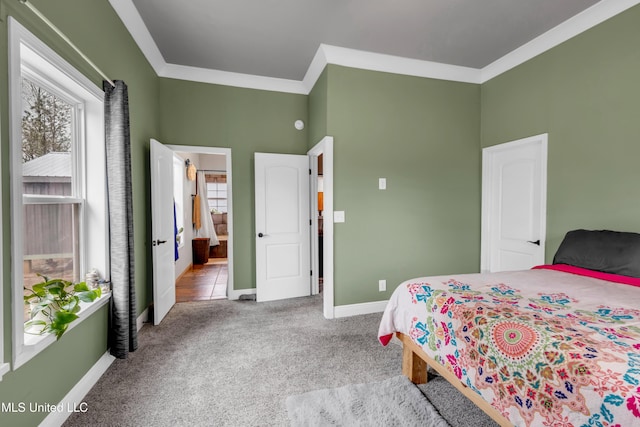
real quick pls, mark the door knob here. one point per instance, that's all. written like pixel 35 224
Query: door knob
pixel 261 235
pixel 161 242
pixel 537 242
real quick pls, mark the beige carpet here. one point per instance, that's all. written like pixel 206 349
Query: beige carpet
pixel 233 363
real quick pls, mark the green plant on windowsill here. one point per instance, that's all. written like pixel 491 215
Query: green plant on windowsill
pixel 54 304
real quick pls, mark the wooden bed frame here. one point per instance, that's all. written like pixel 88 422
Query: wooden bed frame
pixel 414 366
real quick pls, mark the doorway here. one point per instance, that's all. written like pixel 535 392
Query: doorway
pixel 318 212
pixel 322 250
pixel 204 267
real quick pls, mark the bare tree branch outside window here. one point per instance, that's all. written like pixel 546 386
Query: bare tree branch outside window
pixel 50 230
pixel 46 122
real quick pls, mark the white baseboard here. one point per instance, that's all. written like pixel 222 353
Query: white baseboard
pixel 144 317
pixel 72 402
pixel 338 311
pixel 235 294
pixel 356 309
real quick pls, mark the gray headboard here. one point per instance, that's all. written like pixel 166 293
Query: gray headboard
pixel 602 250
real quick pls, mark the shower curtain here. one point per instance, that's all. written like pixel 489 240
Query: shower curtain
pixel 207 229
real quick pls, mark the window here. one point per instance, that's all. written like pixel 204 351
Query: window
pixel 52 188
pixel 58 175
pixel 217 193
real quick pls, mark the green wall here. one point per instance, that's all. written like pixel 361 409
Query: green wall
pixel 422 135
pixel 245 120
pixel 318 110
pixel 97 30
pixel 585 94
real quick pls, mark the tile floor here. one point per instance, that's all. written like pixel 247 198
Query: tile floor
pixel 204 282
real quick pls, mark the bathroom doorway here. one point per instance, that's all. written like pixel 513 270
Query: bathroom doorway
pixel 204 256
pixel 320 219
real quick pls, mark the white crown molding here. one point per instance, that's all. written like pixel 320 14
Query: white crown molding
pixel 226 78
pixel 132 20
pixel 398 65
pixel 318 63
pixel 579 23
pixel 353 58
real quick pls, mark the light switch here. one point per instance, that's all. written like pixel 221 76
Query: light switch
pixel 338 216
pixel 382 183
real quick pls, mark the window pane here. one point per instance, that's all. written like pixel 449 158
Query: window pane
pixel 46 141
pixel 51 244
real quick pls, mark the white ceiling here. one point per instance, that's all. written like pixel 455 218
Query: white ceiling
pixel 279 40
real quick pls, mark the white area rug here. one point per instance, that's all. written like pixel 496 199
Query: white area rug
pixel 392 402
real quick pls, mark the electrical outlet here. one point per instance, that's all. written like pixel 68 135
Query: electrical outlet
pixel 382 285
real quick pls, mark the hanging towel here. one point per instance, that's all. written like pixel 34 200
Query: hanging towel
pixel 208 229
pixel 197 223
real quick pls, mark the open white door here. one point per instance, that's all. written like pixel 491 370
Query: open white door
pixel 514 195
pixel 282 226
pixel 162 227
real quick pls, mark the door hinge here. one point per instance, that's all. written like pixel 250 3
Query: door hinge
pixel 309 171
pixel 311 273
pixel 310 222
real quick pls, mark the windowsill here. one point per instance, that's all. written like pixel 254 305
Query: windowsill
pixel 34 344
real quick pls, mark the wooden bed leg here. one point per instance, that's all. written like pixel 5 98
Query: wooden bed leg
pixel 413 367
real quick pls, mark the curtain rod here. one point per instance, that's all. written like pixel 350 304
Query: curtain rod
pixel 66 39
pixel 212 170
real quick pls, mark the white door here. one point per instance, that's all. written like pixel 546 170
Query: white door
pixel 162 227
pixel 282 226
pixel 514 204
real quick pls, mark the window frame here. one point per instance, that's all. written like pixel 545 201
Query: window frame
pixel 4 366
pixel 31 58
pixel 78 183
pixel 217 190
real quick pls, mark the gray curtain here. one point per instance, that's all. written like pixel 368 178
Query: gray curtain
pixel 123 333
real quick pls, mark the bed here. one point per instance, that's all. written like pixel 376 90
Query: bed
pixel 557 345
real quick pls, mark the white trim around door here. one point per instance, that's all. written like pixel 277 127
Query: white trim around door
pixel 195 149
pixel 325 147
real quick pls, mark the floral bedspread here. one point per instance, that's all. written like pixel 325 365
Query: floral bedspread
pixel 545 348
